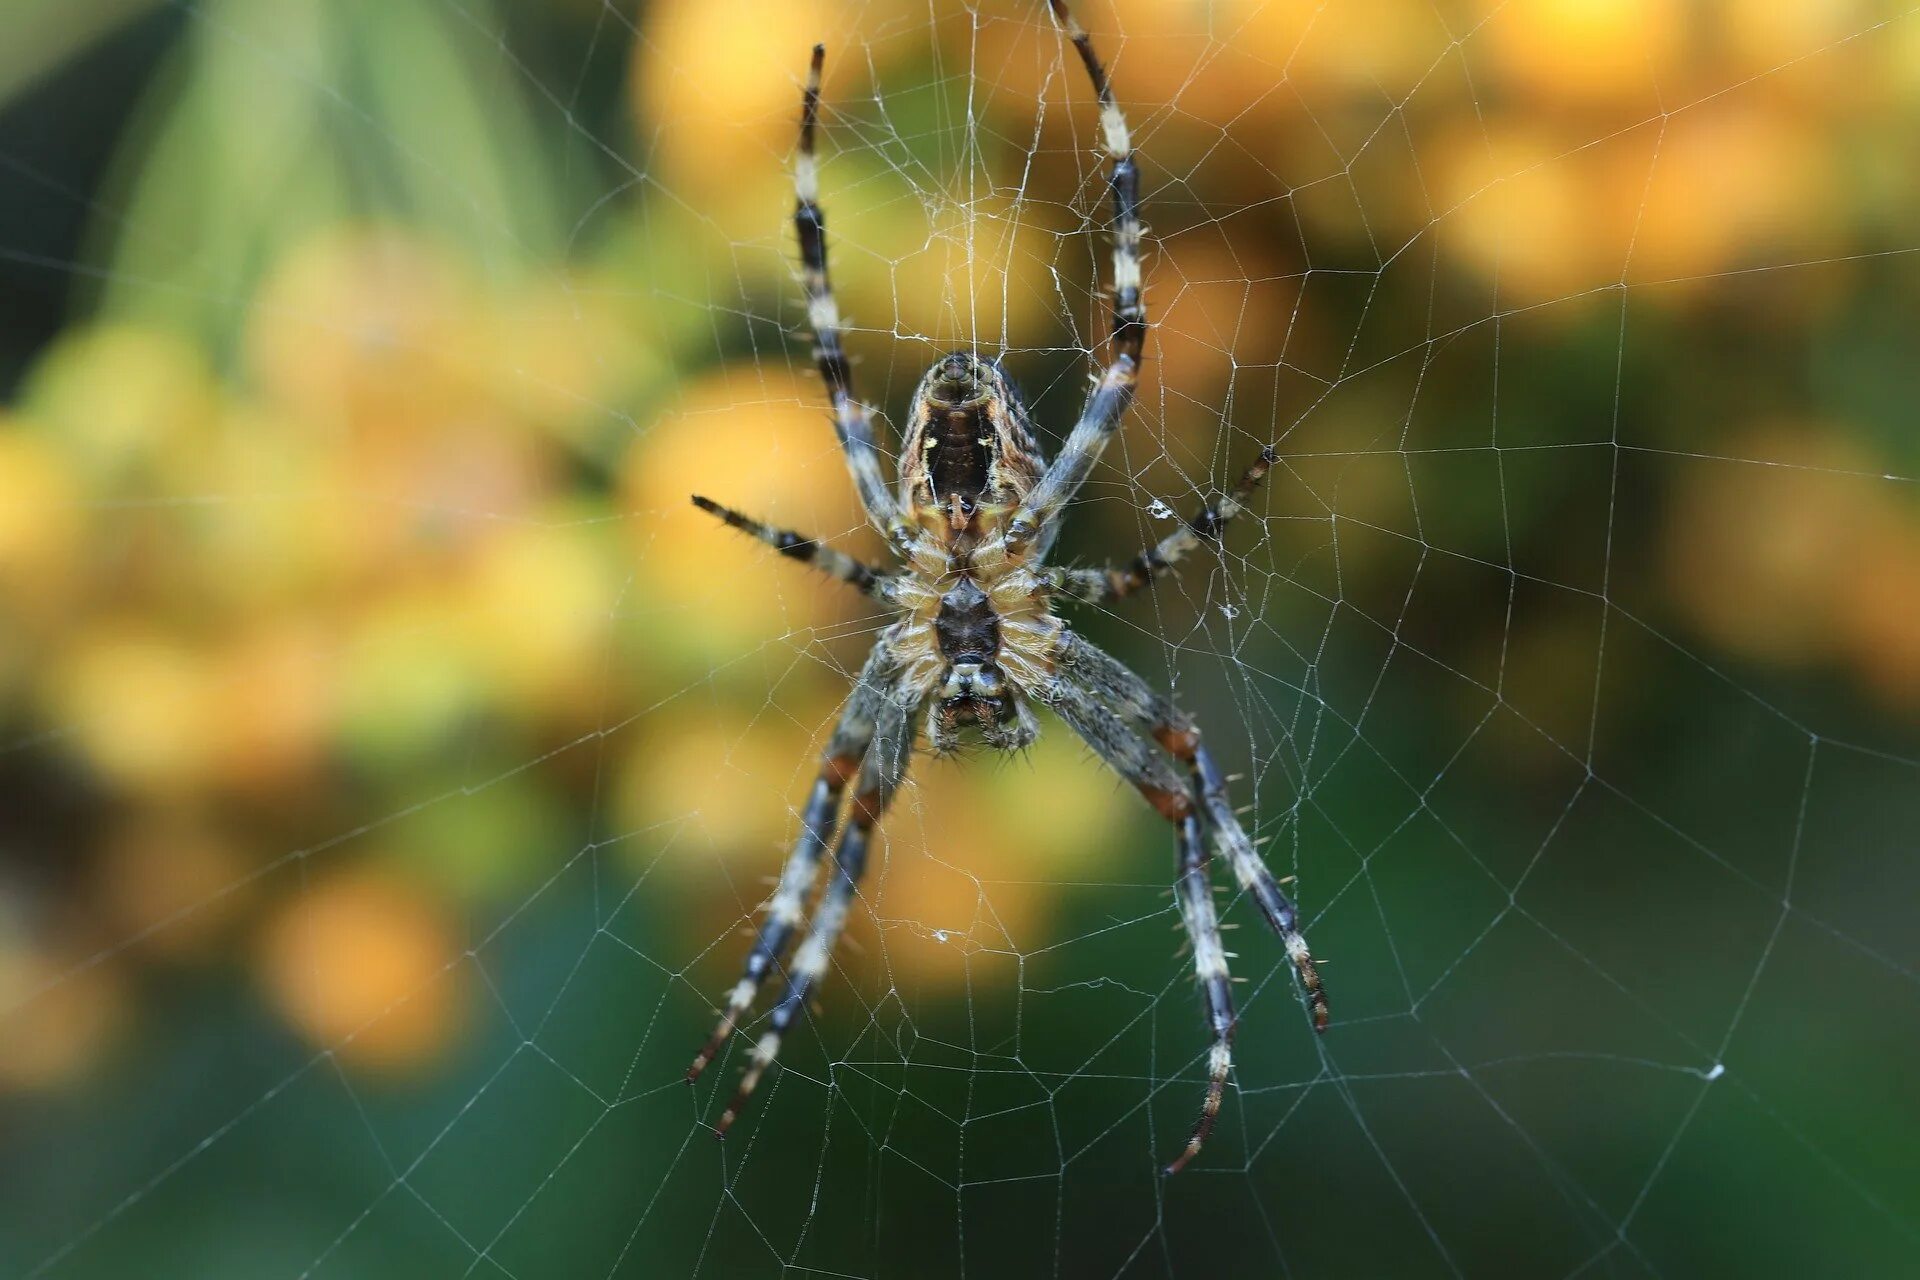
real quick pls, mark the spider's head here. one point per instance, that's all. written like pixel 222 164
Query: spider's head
pixel 977 695
pixel 968 444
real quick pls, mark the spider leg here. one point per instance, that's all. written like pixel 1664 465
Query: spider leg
pixel 880 776
pixel 1194 889
pixel 1115 685
pixel 1108 706
pixel 842 758
pixel 1134 758
pixel 850 419
pixel 858 574
pixel 1096 586
pixel 1037 521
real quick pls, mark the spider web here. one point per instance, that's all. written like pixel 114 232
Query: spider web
pixel 1567 659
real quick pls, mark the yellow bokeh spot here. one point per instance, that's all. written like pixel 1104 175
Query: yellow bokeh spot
pixel 127 403
pixel 982 850
pixel 1218 308
pixel 407 682
pixel 1368 47
pixel 919 275
pixel 1759 37
pixel 759 438
pixel 974 854
pixel 1585 52
pixel 369 326
pixel 723 789
pixel 163 718
pixel 563 356
pixel 1729 183
pixel 1513 207
pixel 540 601
pixel 273 706
pixel 137 704
pixel 367 967
pixel 42 522
pixel 1801 557
pixel 266 542
pixel 717 93
pixel 1879 609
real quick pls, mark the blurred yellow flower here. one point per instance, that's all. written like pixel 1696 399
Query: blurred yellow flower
pixel 367 967
pixel 983 848
pixel 137 705
pixel 717 96
pixel 1373 48
pixel 539 605
pixel 1800 557
pixel 1732 183
pixel 1879 611
pixel 369 327
pixel 757 437
pixel 408 679
pixel 1756 37
pixel 272 706
pixel 42 524
pixel 129 404
pixel 975 851
pixel 1218 307
pixel 1622 53
pixel 563 357
pixel 263 533
pixel 719 788
pixel 1515 206
pixel 923 265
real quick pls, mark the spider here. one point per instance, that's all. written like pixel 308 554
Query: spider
pixel 976 643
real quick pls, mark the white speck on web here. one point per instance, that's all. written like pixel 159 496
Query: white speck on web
pixel 1159 510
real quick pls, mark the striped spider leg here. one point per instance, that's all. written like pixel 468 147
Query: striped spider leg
pixel 870 747
pixel 1130 726
pixel 1037 522
pixel 1098 586
pixel 850 418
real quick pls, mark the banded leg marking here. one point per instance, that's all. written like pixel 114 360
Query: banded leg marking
pixel 1254 876
pixel 1123 719
pixel 1129 329
pixel 1037 522
pixel 809 965
pixel 1082 704
pixel 880 776
pixel 1125 751
pixel 797 546
pixel 1096 586
pixel 785 910
pixel 850 419
pixel 1195 892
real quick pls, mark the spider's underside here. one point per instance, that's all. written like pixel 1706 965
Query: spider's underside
pixel 977 644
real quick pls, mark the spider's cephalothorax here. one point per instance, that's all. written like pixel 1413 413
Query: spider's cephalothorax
pixel 975 644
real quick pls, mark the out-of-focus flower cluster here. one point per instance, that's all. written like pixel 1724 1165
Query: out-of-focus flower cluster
pixel 342 621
